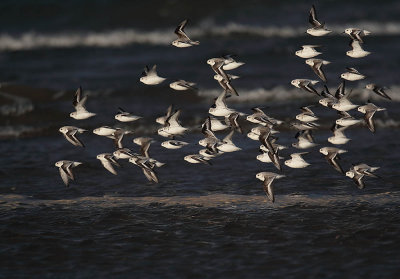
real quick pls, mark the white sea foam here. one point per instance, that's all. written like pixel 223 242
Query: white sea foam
pixel 289 94
pixel 17 107
pixel 16 131
pixel 124 37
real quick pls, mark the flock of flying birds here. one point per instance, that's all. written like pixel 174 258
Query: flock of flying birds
pixel 222 117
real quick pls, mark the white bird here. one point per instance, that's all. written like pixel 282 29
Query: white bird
pixel 356 33
pixel 339 137
pixel 318 28
pixel 108 160
pixel 69 132
pixel 265 157
pixel 172 126
pixel 316 66
pixel 229 63
pixel 352 75
pixel 161 119
pixel 183 39
pixel 219 108
pixel 197 159
pixel 304 140
pixel 268 178
pixel 124 116
pixel 343 103
pixel 308 51
pixel 118 135
pixel 210 141
pixel 104 131
pixel 207 153
pixel 379 90
pixel 357 51
pixel 144 143
pixel 307 115
pixel 347 120
pixel 259 117
pixel 147 167
pixel 357 173
pixel 305 84
pixel 217 125
pixel 227 144
pixel 274 145
pixel 182 85
pixel 150 77
pixel 301 126
pixel 65 168
pixel 328 99
pixel 124 153
pixel 173 144
pixel 297 162
pixel 79 101
pixel 332 155
pixel 369 111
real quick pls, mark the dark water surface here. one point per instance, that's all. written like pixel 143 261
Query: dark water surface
pixel 199 221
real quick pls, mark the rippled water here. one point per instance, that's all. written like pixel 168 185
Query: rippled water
pixel 199 221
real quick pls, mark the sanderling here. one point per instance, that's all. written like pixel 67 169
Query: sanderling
pixel 352 74
pixel 332 155
pixel 150 77
pixel 308 51
pixel 357 51
pixel 369 111
pixel 80 112
pixel 379 90
pixel 183 39
pixel 108 160
pixel 338 137
pixel 125 116
pixel 173 144
pixel 268 178
pixel 69 132
pixel 356 33
pixel 182 85
pixel 65 168
pixel 318 28
pixel 297 162
pixel 305 84
pixel 316 66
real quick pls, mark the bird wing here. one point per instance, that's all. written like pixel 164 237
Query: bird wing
pixel 228 138
pixel 269 190
pixel 312 19
pixel 64 175
pixel 307 110
pixel 77 96
pixel 144 148
pixel 180 31
pixel 368 119
pixel 332 159
pixel 355 44
pixel 108 166
pixel 307 87
pixel 318 70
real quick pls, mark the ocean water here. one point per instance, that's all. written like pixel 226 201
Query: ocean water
pixel 200 221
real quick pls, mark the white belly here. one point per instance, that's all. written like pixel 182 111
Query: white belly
pixel 338 140
pixel 151 80
pixel 228 147
pixel 296 164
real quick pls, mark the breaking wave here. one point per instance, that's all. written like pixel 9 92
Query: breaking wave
pixel 285 94
pixel 124 37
